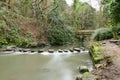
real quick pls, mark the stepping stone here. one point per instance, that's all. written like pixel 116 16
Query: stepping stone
pixel 40 51
pixel 71 50
pixel 51 51
pixel 20 50
pixel 60 51
pixel 8 50
pixel 83 49
pixel 26 50
pixel 77 49
pixel 65 50
pixel 32 51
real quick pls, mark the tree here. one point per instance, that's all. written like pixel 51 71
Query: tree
pixel 112 8
pixel 87 16
pixel 75 12
pixel 115 11
pixel 11 4
pixel 83 15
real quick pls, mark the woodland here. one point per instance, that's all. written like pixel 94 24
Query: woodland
pixel 37 23
pixel 33 22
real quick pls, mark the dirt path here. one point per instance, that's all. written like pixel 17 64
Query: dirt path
pixel 111 72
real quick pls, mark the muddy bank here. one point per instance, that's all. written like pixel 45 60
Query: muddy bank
pixel 109 68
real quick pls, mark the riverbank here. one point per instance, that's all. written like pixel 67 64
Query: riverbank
pixel 109 69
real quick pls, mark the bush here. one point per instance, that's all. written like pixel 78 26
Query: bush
pixel 14 37
pixel 102 34
pixel 116 29
pixel 116 32
pixel 59 36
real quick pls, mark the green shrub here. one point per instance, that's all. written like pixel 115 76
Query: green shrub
pixel 3 41
pixel 116 29
pixel 116 32
pixel 59 36
pixel 102 34
pixel 14 37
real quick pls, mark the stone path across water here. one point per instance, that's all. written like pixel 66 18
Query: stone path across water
pixel 17 51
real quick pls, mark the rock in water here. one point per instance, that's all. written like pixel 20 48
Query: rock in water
pixel 83 49
pixel 11 48
pixel 40 51
pixel 71 50
pixel 51 51
pixel 32 51
pixel 78 78
pixel 83 69
pixel 65 50
pixel 60 51
pixel 77 49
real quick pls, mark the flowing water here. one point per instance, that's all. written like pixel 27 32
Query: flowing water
pixel 56 66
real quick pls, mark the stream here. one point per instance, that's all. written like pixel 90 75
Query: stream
pixel 43 66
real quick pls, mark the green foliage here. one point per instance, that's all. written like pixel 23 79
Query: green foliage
pixel 86 75
pixel 76 5
pixel 58 33
pixel 59 36
pixel 14 37
pixel 112 8
pixel 10 31
pixel 104 2
pixel 83 15
pixel 116 29
pixel 97 51
pixel 115 10
pixel 56 18
pixel 23 7
pixel 3 41
pixel 102 34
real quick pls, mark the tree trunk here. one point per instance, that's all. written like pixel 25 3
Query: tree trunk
pixel 45 8
pixel 11 3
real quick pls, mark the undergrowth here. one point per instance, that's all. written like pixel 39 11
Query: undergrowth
pixel 58 35
pixel 102 34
